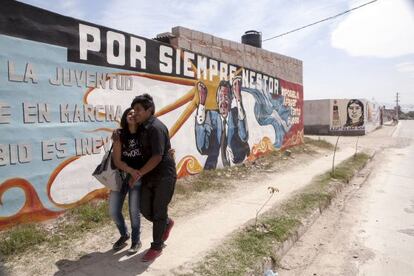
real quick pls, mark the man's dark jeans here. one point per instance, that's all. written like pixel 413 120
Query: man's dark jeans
pixel 156 194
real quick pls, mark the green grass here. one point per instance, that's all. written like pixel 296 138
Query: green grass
pixel 237 256
pixel 216 180
pixel 209 180
pixel 320 143
pixel 77 220
pixel 247 247
pixel 90 215
pixel 21 238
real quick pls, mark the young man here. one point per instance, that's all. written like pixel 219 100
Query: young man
pixel 158 174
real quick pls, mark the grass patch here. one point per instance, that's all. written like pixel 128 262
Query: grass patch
pixel 239 254
pixel 247 247
pixel 303 203
pixel 216 179
pixel 205 181
pixel 320 143
pixel 21 238
pixel 78 220
pixel 91 215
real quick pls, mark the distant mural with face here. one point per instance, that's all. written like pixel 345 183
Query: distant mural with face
pixel 348 115
pixel 66 83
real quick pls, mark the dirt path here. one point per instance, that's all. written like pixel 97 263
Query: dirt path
pixel 202 223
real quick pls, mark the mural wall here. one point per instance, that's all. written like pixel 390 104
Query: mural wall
pixel 354 115
pixel 374 116
pixel 348 115
pixel 64 84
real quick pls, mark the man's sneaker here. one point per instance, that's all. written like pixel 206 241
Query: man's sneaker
pixel 168 230
pixel 151 255
pixel 134 248
pixel 121 242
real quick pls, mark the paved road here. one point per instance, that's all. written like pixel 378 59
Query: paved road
pixel 390 211
pixel 372 231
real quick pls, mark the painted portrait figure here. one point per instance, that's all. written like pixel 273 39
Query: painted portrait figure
pixel 355 113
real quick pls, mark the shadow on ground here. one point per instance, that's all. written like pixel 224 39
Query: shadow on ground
pixel 3 270
pixel 106 263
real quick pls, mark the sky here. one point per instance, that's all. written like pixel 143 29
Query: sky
pixel 368 53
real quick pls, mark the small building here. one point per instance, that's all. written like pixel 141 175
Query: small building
pixel 389 114
pixel 349 117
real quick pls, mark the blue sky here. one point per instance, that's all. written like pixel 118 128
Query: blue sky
pixel 368 53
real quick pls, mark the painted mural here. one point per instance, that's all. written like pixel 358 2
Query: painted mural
pixel 64 84
pixel 374 116
pixel 348 115
pixel 355 115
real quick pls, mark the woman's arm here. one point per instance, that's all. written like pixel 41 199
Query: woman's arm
pixel 116 157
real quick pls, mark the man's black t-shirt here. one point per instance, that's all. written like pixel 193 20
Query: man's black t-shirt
pixel 130 150
pixel 154 140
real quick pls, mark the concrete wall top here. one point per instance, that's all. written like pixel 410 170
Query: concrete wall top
pixel 273 64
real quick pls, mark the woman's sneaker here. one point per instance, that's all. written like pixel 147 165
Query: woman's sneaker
pixel 134 248
pixel 121 242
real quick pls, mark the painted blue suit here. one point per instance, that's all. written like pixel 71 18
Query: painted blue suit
pixel 228 136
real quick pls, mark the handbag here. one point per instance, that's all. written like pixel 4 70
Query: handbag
pixel 107 173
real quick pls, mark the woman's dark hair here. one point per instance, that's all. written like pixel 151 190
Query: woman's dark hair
pixel 124 125
pixel 361 119
pixel 146 101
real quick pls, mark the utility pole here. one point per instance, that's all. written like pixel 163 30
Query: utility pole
pixel 397 108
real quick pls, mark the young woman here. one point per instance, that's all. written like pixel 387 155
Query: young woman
pixel 127 158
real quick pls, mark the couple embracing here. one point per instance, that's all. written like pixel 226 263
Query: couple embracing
pixel 142 152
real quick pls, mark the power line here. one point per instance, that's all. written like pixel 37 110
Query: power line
pixel 320 21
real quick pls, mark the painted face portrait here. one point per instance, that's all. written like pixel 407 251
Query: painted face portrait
pixel 224 98
pixel 355 113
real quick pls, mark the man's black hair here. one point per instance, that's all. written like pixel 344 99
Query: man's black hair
pixel 146 101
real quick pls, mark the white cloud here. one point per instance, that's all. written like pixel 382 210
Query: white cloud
pixel 406 67
pixel 227 19
pixel 382 29
pixel 148 18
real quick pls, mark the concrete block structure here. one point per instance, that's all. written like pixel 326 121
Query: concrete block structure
pixel 274 64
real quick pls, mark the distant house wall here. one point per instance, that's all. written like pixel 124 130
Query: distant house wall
pixel 373 116
pixel 389 114
pixel 341 117
pixel 317 117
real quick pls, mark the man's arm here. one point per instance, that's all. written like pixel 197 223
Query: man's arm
pixel 157 143
pixel 150 165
